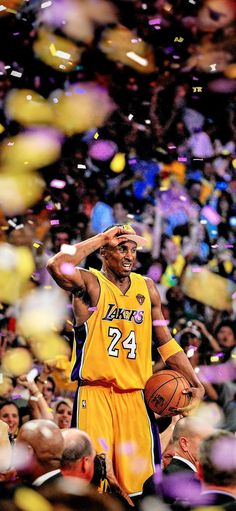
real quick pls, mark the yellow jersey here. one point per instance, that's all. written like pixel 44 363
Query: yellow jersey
pixel 114 345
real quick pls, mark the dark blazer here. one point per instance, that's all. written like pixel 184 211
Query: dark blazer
pixel 215 498
pixel 177 466
pixel 49 481
pixel 180 483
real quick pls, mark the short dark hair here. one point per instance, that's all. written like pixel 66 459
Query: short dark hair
pixel 228 323
pixel 212 446
pixel 8 403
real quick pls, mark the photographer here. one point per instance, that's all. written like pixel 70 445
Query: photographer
pixel 79 459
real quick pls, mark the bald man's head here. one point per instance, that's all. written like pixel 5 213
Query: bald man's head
pixel 191 426
pixel 187 435
pixel 45 439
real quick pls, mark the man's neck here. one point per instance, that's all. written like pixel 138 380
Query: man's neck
pixel 122 282
pixel 186 456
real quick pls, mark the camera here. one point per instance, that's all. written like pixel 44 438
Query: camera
pixel 100 471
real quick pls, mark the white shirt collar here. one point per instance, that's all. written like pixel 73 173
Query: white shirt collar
pixel 41 479
pixel 189 463
pixel 218 491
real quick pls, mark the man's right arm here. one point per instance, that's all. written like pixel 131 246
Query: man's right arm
pixel 63 266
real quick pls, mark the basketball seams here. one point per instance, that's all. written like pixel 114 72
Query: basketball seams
pixel 174 391
pixel 160 386
pixel 180 381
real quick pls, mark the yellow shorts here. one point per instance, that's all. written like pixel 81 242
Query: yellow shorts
pixel 119 425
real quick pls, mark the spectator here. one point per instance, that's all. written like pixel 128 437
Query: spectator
pixel 187 435
pixel 79 460
pixel 217 468
pixel 5 448
pixel 78 455
pixel 47 386
pixel 63 413
pixel 9 413
pixel 45 441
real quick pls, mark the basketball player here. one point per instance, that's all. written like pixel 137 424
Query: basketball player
pixel 114 312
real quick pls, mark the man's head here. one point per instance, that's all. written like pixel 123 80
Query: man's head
pixel 169 249
pixel 217 460
pixel 187 435
pixel 78 455
pixel 119 258
pixel 45 441
pixel 48 389
pixel 226 334
pixel 60 236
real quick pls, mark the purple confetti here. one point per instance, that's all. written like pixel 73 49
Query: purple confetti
pixel 211 215
pixel 67 268
pixel 103 444
pixel 160 322
pixel 57 183
pixel 154 21
pixel 196 269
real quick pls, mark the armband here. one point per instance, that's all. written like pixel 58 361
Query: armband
pixel 168 349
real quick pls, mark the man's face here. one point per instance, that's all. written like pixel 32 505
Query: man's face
pixel 47 391
pixel 170 251
pixel 60 239
pixel 226 337
pixel 121 259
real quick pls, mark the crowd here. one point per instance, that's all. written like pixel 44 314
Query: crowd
pixel 163 161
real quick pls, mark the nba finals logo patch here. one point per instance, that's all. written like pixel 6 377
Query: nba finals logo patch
pixel 140 299
pixel 83 403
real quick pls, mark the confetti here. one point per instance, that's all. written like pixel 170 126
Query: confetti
pixel 67 268
pixel 178 39
pixel 213 67
pixel 155 21
pixel 57 183
pixel 46 4
pixel 160 322
pixel 17 74
pixel 27 499
pixel 17 361
pixel 68 249
pixel 140 60
pixel 117 164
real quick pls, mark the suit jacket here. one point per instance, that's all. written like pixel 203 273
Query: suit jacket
pixel 49 481
pixel 216 498
pixel 177 466
pixel 180 483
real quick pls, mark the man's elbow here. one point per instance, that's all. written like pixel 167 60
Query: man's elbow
pixel 52 266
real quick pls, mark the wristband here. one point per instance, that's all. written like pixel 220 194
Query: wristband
pixel 168 349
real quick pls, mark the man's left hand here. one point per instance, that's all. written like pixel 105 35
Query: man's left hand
pixel 196 395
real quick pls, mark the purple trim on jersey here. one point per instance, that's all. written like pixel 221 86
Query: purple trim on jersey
pixel 80 338
pixel 74 420
pixel 156 438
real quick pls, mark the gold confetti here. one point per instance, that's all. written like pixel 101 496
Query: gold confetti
pixel 28 499
pixel 17 361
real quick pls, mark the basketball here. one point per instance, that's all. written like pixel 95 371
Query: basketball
pixel 163 392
